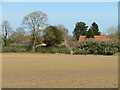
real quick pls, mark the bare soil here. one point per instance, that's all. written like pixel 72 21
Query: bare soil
pixel 59 71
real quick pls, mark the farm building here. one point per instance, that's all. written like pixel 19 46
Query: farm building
pixel 101 37
pixel 81 38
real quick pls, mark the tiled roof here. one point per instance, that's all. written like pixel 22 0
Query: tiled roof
pixel 81 38
pixel 101 37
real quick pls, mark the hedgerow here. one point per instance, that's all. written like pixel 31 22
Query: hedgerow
pixel 92 46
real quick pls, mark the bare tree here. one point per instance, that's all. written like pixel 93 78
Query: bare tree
pixel 20 31
pixel 6 29
pixel 34 22
pixel 18 35
pixel 113 33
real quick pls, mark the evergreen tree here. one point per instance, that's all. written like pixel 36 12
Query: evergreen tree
pixel 95 29
pixel 80 29
pixel 90 33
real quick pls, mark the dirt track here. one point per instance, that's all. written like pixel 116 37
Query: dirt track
pixel 59 71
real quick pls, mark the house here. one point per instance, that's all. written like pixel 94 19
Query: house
pixel 81 38
pixel 101 37
pixel 41 44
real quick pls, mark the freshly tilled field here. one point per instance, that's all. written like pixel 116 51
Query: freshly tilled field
pixel 59 71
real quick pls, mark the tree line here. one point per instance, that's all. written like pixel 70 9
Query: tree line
pixel 35 29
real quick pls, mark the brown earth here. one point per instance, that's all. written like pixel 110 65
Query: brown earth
pixel 59 71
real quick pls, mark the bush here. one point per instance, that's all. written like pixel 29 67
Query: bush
pixel 59 49
pixel 91 46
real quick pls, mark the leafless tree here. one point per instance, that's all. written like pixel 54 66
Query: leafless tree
pixel 20 31
pixel 34 22
pixel 18 35
pixel 113 33
pixel 6 31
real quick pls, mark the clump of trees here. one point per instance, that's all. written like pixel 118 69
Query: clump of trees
pixel 82 29
pixel 97 47
pixel 34 30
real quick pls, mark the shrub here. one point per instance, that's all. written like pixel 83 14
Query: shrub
pixel 91 46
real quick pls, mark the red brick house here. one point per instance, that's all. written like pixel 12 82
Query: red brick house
pixel 81 38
